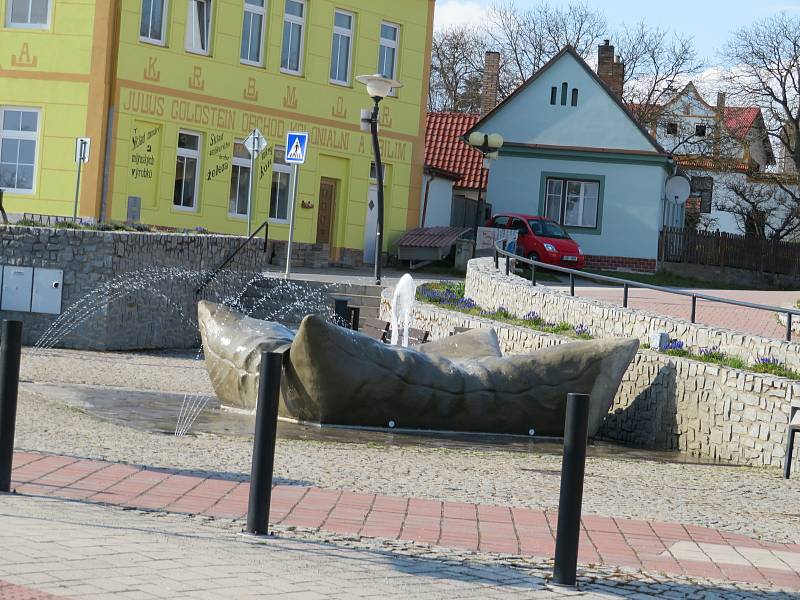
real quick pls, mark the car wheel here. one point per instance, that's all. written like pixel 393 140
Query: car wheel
pixel 533 256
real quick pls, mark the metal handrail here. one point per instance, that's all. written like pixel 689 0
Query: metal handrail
pixel 224 264
pixel 627 283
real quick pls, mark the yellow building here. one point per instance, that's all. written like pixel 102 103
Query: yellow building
pixel 167 90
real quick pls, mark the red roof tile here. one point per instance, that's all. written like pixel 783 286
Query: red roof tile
pixel 739 119
pixel 445 150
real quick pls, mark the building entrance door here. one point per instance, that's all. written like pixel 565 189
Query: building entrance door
pixel 325 211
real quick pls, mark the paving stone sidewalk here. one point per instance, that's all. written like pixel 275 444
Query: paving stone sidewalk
pixel 669 548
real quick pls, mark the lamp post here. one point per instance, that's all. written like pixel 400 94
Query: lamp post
pixel 488 144
pixel 378 87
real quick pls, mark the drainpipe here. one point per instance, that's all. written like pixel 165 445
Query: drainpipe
pixel 425 201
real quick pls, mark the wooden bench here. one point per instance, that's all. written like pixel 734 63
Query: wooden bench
pixel 382 330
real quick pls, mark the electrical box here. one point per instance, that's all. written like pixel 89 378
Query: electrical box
pixel 47 288
pixel 17 286
pixel 134 209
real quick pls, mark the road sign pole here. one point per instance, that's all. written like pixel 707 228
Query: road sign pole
pixel 77 192
pixel 292 197
pixel 251 196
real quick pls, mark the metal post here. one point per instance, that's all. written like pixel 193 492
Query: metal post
pixel 292 198
pixel 625 295
pixel 787 460
pixel 533 274
pixel 496 259
pixel 788 327
pixel 269 387
pixel 478 211
pixel 10 350
pixel 251 202
pixel 694 308
pixel 376 148
pixel 571 284
pixel 77 192
pixel 508 264
pixel 340 309
pixel 576 429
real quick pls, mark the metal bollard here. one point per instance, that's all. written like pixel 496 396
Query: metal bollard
pixel 625 295
pixel 571 284
pixel 340 310
pixel 533 274
pixel 694 308
pixel 576 429
pixel 10 351
pixel 355 317
pixel 496 259
pixel 269 388
pixel 788 327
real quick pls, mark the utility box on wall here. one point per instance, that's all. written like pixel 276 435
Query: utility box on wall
pixel 47 286
pixel 17 287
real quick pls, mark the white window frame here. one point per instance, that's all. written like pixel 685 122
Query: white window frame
pixel 188 153
pixel 261 12
pixel 395 44
pixel 350 35
pixel 210 33
pixel 45 25
pixel 562 207
pixel 280 168
pixel 297 21
pixel 164 26
pixel 241 162
pixel 24 135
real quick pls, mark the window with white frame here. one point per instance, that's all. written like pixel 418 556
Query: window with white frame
pixel 253 22
pixel 294 21
pixel 187 167
pixel 573 203
pixel 343 23
pixel 151 25
pixel 240 181
pixel 19 133
pixel 387 50
pixel 32 14
pixel 198 26
pixel 281 180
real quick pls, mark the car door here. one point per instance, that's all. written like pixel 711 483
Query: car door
pixel 523 236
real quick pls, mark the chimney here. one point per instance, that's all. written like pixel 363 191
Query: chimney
pixel 491 81
pixel 610 68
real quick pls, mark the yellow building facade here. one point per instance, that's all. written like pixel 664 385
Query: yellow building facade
pixel 168 90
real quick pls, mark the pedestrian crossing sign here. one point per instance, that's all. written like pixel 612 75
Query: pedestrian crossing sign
pixel 296 144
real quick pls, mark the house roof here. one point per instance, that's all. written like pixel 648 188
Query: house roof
pixel 568 49
pixel 740 119
pixel 445 150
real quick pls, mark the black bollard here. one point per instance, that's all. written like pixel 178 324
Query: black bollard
pixel 269 387
pixel 10 350
pixel 576 429
pixel 341 310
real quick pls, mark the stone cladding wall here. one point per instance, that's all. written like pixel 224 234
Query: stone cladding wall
pixel 664 402
pixel 491 289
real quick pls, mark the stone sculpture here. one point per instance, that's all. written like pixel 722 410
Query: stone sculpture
pixel 337 376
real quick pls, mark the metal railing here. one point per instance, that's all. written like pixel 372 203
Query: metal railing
pixel 225 263
pixel 627 284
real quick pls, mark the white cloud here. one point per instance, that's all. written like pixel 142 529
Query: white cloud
pixel 458 12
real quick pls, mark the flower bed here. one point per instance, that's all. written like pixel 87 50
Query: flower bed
pixel 450 294
pixel 713 355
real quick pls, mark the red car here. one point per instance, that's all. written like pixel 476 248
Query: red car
pixel 541 239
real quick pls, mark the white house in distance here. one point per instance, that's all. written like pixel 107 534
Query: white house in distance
pixel 574 153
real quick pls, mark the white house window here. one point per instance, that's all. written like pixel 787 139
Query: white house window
pixel 253 31
pixel 294 20
pixel 151 26
pixel 19 132
pixel 387 51
pixel 700 130
pixel 187 167
pixel 672 129
pixel 32 14
pixel 281 180
pixel 342 43
pixel 198 26
pixel 571 202
pixel 240 181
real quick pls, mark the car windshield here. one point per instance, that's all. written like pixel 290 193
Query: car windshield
pixel 548 229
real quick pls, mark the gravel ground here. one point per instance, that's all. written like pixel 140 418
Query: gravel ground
pixel 754 502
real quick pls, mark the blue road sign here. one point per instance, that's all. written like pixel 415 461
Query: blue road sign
pixel 296 145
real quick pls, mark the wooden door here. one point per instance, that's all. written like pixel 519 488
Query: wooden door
pixel 325 211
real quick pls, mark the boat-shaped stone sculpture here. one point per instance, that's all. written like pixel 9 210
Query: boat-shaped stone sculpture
pixel 335 376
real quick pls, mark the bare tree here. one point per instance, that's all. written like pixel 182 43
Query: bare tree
pixel 657 64
pixel 761 208
pixel 456 70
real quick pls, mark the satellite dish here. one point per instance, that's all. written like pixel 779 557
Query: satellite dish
pixel 677 189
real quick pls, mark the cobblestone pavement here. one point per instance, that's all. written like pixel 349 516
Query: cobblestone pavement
pixel 670 548
pixel 59 549
pixel 753 502
pixel 738 318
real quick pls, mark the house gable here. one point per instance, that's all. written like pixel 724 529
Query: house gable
pixel 541 112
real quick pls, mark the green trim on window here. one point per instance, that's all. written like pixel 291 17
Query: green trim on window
pixel 510 149
pixel 600 179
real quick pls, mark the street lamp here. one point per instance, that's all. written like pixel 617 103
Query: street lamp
pixel 488 144
pixel 378 87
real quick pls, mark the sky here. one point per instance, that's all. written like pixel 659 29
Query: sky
pixel 708 22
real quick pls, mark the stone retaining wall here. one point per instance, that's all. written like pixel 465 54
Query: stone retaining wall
pixel 492 289
pixel 665 402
